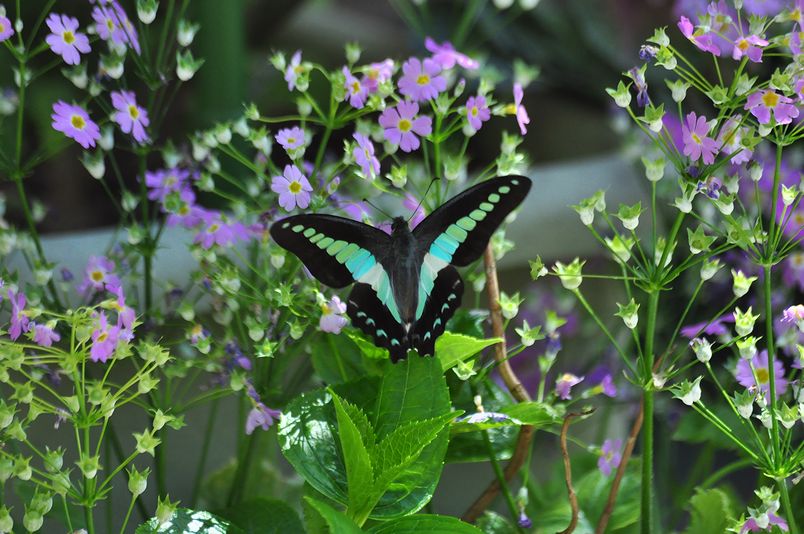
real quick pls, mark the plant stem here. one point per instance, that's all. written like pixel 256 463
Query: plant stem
pixel 768 290
pixel 647 406
pixel 242 471
pixel 788 509
pixel 202 460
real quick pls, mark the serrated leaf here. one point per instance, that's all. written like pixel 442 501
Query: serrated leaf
pixel 336 520
pixel 452 348
pixel 431 524
pixel 710 511
pixel 361 421
pixel 359 471
pixel 264 516
pixel 336 359
pixel 184 520
pixel 536 414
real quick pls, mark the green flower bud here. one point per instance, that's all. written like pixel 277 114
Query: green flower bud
pixel 709 268
pixel 185 33
pixel 187 65
pixel 146 10
pixel 702 348
pixel 6 521
pixel 570 275
pixel 629 215
pixel 688 392
pixel 744 321
pixel 529 335
pixel 165 510
pixel 744 401
pixel 654 168
pixel 510 305
pixel 147 442
pixel 22 468
pixel 138 481
pixel 89 466
pixel 741 283
pixel 629 313
pixel 537 269
pixel 32 520
pixel 54 459
pixel 698 240
pixel 678 89
pixel 747 347
pixel 621 95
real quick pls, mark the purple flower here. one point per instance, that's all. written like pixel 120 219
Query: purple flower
pixel 219 230
pixel 702 40
pixel 745 375
pixel 609 389
pixel 640 85
pixel 113 25
pixel 104 340
pixel 125 314
pixel 402 124
pixel 165 181
pixel 524 521
pixel 43 335
pixel 377 73
pixel 132 118
pixel 446 56
pixel 477 111
pixel 421 80
pixel 715 328
pixel 521 113
pixel 261 415
pixel 564 385
pixel 697 143
pixel 65 40
pixel 416 209
pixel 332 319
pixel 610 456
pixel 751 524
pixel 290 138
pixel 99 274
pixel 19 320
pixel 761 103
pixel 356 92
pixel 6 28
pixel 750 46
pixel 793 270
pixel 183 210
pixel 764 8
pixel 793 314
pixel 75 123
pixel 364 156
pixel 292 187
pixel 293 70
pixel 730 140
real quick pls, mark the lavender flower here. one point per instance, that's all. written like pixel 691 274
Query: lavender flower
pixel 292 187
pixel 44 335
pixel 104 339
pixel 762 103
pixel 564 385
pixel 332 319
pixel 99 274
pixel 293 70
pixel 522 117
pixel 377 73
pixel 363 154
pixel 130 117
pixel 446 56
pixel 697 143
pixel 421 80
pixel 290 138
pixel 402 124
pixel 750 46
pixel 262 416
pixel 356 92
pixel 65 39
pixel 752 525
pixel 745 374
pixel 113 25
pixel 219 230
pixel 75 123
pixel 416 209
pixel 607 384
pixel 19 319
pixel 165 181
pixel 477 111
pixel 699 38
pixel 610 456
pixel 6 28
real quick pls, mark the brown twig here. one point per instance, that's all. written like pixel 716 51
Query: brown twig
pixel 573 498
pixel 511 382
pixel 618 477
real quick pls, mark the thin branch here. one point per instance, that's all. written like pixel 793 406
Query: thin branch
pixel 511 382
pixel 573 498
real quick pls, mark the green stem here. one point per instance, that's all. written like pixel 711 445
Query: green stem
pixel 128 514
pixel 202 460
pixel 786 506
pixel 647 425
pixel 777 459
pixel 498 472
pixel 242 470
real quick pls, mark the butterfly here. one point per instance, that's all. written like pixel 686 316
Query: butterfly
pixel 406 286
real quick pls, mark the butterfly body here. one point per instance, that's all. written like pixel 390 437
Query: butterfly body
pixel 405 284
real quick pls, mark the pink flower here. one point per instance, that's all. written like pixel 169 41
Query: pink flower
pixel 262 416
pixel 746 378
pixel 751 524
pixel 292 187
pixel 793 314
pixel 356 92
pixel 219 230
pixel 113 25
pixel 610 456
pixel 402 124
pixel 19 320
pixel 104 340
pixel 761 103
pixel 730 140
pixel 332 320
pixel 163 182
pixel 183 210
pixel 702 40
pixel 132 118
pixel 290 138
pixel 609 389
pixel 43 335
pixel 377 73
pixel 65 40
pixel 6 28
pixel 697 143
pixel 125 314
pixel 421 80
pixel 477 112
pixel 521 113
pixel 364 156
pixel 446 56
pixel 564 385
pixel 293 70
pixel 750 46
pixel 99 274
pixel 75 123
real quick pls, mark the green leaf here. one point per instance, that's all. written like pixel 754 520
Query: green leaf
pixel 367 348
pixel 264 516
pixel 432 524
pixel 359 472
pixel 711 511
pixel 337 521
pixel 537 414
pixel 336 359
pixel 453 348
pixel 360 420
pixel 202 523
pixel 493 523
pixel 593 492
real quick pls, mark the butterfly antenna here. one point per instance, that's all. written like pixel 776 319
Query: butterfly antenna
pixel 427 191
pixel 376 207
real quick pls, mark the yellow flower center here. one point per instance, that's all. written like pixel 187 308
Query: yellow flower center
pixel 404 125
pixel 2 28
pixel 96 276
pixel 110 24
pixel 133 111
pixel 213 228
pixel 797 259
pixel 423 79
pixel 291 140
pixel 184 210
pixel 762 375
pixel 510 109
pixel 770 99
pixel 696 138
pixel 295 187
pixel 743 45
pixel 68 37
pixel 355 86
pixel 102 337
pixel 366 152
pixel 298 69
pixel 474 111
pixel 798 218
pixel 325 309
pixel 78 122
pixel 795 15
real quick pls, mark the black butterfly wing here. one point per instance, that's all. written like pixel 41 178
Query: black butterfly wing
pixel 375 320
pixel 459 230
pixel 444 300
pixel 336 250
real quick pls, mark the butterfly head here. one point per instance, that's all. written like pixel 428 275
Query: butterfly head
pixel 399 226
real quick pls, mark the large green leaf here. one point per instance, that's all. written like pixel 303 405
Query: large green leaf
pixel 431 524
pixel 185 521
pixel 336 359
pixel 451 348
pixel 710 511
pixel 536 414
pixel 264 516
pixel 593 492
pixel 359 472
pixel 337 521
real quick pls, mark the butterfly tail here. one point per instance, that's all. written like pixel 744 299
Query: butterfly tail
pixel 373 318
pixel 444 300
